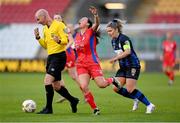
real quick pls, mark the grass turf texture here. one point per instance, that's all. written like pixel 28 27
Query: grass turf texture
pixel 17 87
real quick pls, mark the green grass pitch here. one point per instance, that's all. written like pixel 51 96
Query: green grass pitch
pixel 17 87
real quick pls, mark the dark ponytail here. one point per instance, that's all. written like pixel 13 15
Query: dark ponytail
pixel 97 33
pixel 90 23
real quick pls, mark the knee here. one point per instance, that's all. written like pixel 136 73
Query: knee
pixel 48 79
pixel 130 90
pixel 115 89
pixel 101 86
pixel 84 89
pixel 56 85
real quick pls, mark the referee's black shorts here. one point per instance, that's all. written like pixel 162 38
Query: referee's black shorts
pixel 55 64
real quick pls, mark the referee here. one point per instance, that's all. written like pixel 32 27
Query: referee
pixel 54 40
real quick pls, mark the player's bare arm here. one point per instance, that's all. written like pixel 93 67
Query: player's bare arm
pixel 93 10
pixel 71 40
pixel 120 55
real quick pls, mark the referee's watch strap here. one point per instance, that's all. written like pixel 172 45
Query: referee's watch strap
pixel 38 37
pixel 59 42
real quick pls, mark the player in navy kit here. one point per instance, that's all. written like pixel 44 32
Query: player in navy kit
pixel 129 65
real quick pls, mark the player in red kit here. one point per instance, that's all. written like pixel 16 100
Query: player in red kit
pixel 169 47
pixel 87 62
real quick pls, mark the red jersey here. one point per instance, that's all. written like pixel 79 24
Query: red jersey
pixel 85 45
pixel 87 59
pixel 169 51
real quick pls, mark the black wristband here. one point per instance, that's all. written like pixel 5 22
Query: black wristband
pixel 59 42
pixel 38 37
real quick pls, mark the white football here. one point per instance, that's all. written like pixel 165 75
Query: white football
pixel 29 106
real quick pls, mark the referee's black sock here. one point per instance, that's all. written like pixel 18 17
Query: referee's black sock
pixel 49 96
pixel 64 92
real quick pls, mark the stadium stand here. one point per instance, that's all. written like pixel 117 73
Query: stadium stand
pixel 18 44
pixel 165 11
pixel 13 2
pixel 18 11
pixel 17 25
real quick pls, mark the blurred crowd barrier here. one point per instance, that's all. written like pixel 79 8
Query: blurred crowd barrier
pixel 38 65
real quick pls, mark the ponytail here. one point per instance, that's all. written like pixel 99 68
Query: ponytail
pixel 90 23
pixel 116 24
pixel 97 33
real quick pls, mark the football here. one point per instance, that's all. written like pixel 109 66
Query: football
pixel 29 106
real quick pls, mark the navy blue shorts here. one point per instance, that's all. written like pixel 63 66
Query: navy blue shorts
pixel 55 64
pixel 132 73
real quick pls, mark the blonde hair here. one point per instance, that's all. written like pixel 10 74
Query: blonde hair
pixel 116 24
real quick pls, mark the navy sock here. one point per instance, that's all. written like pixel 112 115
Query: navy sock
pixel 125 93
pixel 136 94
pixel 49 96
pixel 140 96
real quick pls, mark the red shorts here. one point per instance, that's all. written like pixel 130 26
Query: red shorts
pixel 168 63
pixel 70 60
pixel 94 70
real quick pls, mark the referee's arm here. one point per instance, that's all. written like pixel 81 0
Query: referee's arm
pixel 42 43
pixel 41 40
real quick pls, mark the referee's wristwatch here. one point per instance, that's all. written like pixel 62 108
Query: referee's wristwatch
pixel 38 37
pixel 59 41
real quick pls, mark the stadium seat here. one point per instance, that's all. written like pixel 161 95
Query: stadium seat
pixel 18 11
pixel 17 42
pixel 166 11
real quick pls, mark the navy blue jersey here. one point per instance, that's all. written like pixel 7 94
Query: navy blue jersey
pixel 131 61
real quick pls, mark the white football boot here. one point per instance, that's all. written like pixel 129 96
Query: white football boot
pixel 150 108
pixel 135 106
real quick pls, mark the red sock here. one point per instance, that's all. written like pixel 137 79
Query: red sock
pixel 109 80
pixel 171 75
pixel 167 74
pixel 90 99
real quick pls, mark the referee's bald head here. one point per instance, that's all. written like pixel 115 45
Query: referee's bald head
pixel 41 12
pixel 42 16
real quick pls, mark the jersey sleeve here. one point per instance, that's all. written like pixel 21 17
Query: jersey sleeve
pixel 126 43
pixel 42 41
pixel 62 33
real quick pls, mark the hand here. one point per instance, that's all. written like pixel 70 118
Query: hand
pixel 36 33
pixel 56 39
pixel 93 10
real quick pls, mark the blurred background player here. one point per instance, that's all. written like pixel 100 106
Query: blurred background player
pixel 54 40
pixel 70 53
pixel 129 65
pixel 168 58
pixel 87 62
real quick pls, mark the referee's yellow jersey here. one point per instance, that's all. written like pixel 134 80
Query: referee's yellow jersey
pixel 57 28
